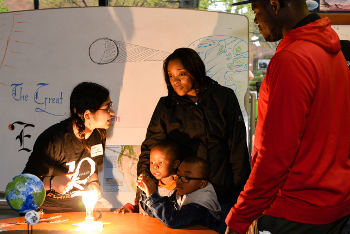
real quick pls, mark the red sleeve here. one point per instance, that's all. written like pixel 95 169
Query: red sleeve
pixel 130 207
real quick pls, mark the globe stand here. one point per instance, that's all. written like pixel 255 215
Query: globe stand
pixel 30 229
pixel 31 217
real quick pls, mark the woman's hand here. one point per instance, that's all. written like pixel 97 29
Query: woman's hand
pixel 63 184
pixel 94 186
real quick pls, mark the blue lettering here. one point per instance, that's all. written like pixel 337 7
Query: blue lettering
pixel 17 94
pixel 47 100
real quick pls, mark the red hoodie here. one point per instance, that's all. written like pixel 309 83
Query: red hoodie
pixel 300 165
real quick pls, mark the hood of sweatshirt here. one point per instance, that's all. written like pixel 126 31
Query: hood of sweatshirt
pixel 205 197
pixel 318 32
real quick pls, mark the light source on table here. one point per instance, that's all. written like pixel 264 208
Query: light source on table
pixel 89 200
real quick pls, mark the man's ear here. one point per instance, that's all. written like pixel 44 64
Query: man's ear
pixel 276 6
pixel 176 164
pixel 203 183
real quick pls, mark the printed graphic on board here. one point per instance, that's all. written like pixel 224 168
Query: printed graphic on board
pixel 120 168
pixel 334 5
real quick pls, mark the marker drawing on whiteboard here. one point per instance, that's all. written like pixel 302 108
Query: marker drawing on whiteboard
pixel 17 94
pixel 47 100
pixel 13 28
pixel 226 61
pixel 21 136
pixel 105 51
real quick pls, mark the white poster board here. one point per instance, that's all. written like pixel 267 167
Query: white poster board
pixel 343 31
pixel 45 53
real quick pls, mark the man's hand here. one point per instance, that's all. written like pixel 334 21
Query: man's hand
pixel 230 231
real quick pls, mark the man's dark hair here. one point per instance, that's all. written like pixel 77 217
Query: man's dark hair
pixel 202 164
pixel 193 65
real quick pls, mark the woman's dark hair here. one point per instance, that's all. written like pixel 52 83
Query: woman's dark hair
pixel 193 65
pixel 86 96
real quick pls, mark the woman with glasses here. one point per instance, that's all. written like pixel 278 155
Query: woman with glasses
pixel 205 120
pixel 66 155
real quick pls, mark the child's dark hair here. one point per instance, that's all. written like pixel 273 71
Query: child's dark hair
pixel 170 147
pixel 202 164
pixel 86 96
pixel 192 63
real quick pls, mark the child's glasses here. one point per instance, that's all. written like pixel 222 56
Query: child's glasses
pixel 185 179
pixel 109 108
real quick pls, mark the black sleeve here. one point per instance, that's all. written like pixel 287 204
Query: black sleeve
pixel 156 132
pixel 144 206
pixel 237 142
pixel 163 209
pixel 345 48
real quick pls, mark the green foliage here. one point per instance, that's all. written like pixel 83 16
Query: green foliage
pixel 204 5
pixel 65 3
pixel 86 3
pixel 130 149
pixel 145 3
pixel 2 8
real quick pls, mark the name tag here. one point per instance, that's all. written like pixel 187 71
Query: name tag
pixel 96 150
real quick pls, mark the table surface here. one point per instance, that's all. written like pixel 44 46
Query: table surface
pixel 112 223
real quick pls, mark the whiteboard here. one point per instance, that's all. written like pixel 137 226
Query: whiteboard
pixel 343 31
pixel 45 53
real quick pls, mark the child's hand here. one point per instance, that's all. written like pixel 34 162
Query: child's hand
pixel 140 184
pixel 141 211
pixel 147 185
pixel 122 210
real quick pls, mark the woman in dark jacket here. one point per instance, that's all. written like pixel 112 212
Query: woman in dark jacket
pixel 205 120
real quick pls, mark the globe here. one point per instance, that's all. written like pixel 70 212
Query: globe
pixel 25 192
pixel 32 217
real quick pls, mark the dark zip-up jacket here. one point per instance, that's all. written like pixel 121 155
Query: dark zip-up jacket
pixel 212 128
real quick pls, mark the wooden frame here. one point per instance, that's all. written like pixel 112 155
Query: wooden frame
pixel 337 18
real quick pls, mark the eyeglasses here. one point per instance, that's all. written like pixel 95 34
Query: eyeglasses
pixel 185 179
pixel 109 108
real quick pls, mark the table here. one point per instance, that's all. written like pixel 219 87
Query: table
pixel 130 223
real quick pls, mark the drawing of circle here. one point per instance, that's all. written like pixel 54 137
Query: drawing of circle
pixel 103 51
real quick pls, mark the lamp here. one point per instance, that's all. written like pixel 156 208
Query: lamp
pixel 89 199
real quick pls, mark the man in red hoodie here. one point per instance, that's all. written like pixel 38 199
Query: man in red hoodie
pixel 300 161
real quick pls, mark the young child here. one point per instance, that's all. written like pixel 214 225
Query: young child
pixel 193 203
pixel 164 160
